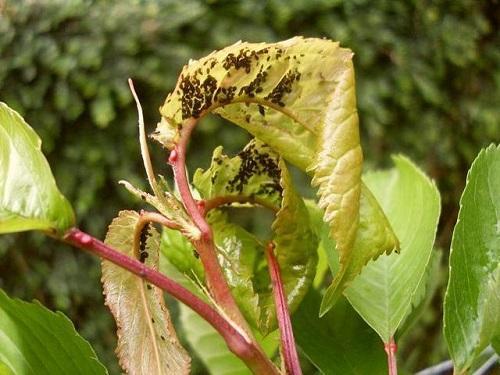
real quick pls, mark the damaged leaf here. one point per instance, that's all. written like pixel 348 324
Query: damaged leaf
pixel 298 97
pixel 147 342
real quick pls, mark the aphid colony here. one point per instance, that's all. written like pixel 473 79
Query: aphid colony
pixel 199 90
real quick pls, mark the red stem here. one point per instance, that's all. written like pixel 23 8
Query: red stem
pixel 237 342
pixel 288 348
pixel 391 349
pixel 205 245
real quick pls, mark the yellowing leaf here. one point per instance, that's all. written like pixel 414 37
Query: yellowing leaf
pixel 147 342
pixel 298 97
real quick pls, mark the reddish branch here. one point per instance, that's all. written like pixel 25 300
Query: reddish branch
pixel 288 349
pixel 390 349
pixel 205 245
pixel 238 343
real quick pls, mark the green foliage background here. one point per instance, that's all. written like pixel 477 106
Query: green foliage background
pixel 428 85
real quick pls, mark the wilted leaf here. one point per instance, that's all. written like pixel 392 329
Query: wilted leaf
pixel 295 248
pixel 147 342
pixel 29 198
pixel 472 302
pixel 37 341
pixel 203 339
pixel 298 97
pixel 383 292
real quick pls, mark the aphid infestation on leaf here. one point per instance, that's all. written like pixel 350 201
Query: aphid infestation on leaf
pixel 297 99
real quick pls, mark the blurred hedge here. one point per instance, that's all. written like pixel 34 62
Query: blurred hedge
pixel 428 85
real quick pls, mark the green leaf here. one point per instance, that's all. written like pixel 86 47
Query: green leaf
pixel 181 254
pixel 29 198
pixel 340 342
pixel 37 341
pixel 384 291
pixel 258 173
pixel 298 97
pixel 423 296
pixel 4 370
pixel 472 301
pixel 147 342
pixel 211 348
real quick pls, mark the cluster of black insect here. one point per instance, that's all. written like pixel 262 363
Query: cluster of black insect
pixel 218 161
pixel 196 96
pixel 243 60
pixel 254 162
pixel 283 87
pixel 269 188
pixel 255 86
pixel 224 95
pixel 143 238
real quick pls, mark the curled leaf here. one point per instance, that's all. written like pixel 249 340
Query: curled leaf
pixel 374 233
pixel 238 252
pixel 298 97
pixel 147 342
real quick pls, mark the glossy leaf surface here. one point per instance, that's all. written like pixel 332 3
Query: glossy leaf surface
pixel 29 198
pixel 37 341
pixel 147 342
pixel 472 302
pixel 383 292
